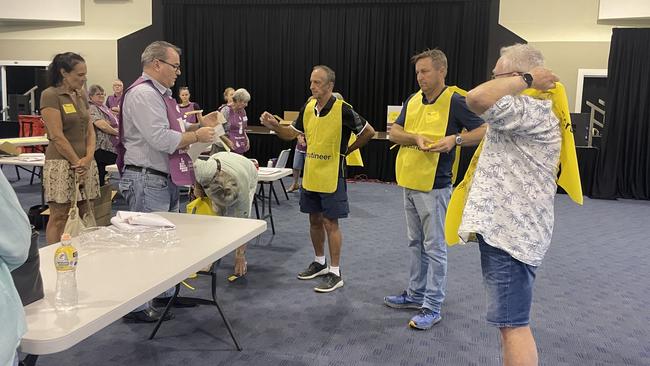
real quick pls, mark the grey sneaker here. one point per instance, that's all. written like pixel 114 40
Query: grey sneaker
pixel 330 283
pixel 314 270
pixel 402 301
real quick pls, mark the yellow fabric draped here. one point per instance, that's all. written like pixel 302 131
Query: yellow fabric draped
pixel 569 178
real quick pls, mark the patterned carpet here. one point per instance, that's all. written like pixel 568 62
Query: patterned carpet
pixel 590 306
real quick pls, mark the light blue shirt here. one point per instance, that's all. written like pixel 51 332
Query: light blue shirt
pixel 147 136
pixel 14 248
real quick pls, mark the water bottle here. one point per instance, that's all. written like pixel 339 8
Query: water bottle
pixel 65 261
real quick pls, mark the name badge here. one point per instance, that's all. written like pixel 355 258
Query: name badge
pixel 69 108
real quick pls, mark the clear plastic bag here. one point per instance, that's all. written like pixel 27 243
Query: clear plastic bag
pixel 93 239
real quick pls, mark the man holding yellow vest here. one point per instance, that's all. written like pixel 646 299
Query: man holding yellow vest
pixel 509 206
pixel 327 123
pixel 428 130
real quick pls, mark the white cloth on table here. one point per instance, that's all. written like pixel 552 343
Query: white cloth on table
pixel 139 221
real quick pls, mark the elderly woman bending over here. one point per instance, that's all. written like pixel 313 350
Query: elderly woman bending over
pixel 229 181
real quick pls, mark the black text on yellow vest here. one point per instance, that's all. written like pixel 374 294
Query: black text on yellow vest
pixel 322 159
pixel 414 168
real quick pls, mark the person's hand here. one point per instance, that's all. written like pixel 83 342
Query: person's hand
pixel 205 134
pixel 423 142
pixel 543 78
pixel 82 166
pixel 240 265
pixel 269 121
pixel 116 109
pixel 248 144
pixel 301 139
pixel 444 145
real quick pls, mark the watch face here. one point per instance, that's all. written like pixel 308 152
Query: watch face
pixel 459 140
pixel 528 78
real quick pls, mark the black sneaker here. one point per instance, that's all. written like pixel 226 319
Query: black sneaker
pixel 330 283
pixel 314 270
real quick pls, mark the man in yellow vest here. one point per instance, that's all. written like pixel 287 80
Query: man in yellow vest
pixel 510 202
pixel 428 129
pixel 327 123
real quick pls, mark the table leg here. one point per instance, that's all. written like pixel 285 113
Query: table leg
pixel 272 190
pixel 225 320
pixel 162 316
pixel 284 189
pixel 270 212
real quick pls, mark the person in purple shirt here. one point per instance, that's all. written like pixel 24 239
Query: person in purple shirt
pixel 113 101
pixel 186 105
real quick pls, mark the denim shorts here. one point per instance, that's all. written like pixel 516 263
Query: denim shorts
pixel 509 285
pixel 298 159
pixel 332 205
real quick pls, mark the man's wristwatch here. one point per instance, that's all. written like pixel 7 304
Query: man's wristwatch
pixel 459 139
pixel 528 78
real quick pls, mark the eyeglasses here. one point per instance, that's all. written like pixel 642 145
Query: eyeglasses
pixel 177 68
pixel 494 76
pixel 99 95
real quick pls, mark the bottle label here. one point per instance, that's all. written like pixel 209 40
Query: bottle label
pixel 65 258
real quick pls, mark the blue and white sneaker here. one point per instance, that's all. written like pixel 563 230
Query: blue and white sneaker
pixel 402 301
pixel 425 320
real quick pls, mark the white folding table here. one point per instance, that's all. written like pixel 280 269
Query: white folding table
pixel 113 282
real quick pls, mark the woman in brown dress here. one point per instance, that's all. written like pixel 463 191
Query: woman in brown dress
pixel 64 107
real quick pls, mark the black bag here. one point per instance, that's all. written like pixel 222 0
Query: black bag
pixel 35 218
pixel 27 278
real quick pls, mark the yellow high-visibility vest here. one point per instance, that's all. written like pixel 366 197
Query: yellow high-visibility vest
pixel 322 159
pixel 414 168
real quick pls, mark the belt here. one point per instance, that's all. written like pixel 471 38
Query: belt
pixel 146 170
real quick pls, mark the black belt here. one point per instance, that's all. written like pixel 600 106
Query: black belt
pixel 146 170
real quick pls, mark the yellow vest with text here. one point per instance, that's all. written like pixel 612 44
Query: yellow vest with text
pixel 322 160
pixel 414 168
pixel 354 158
pixel 569 178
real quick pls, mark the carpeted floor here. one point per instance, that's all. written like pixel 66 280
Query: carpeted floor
pixel 590 306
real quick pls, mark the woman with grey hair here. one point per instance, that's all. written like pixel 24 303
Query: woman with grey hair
pixel 237 121
pixel 106 132
pixel 229 181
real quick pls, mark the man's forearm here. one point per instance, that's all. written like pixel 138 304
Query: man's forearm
pixel 286 133
pixel 365 136
pixel 401 137
pixel 481 98
pixel 188 138
pixel 473 137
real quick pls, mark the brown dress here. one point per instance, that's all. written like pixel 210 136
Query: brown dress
pixel 58 178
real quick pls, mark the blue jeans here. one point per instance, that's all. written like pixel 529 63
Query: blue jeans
pixel 425 223
pixel 509 285
pixel 146 192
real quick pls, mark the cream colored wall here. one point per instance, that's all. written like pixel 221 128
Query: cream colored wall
pixel 565 58
pixel 100 55
pixel 95 39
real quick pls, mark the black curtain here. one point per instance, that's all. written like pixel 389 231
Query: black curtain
pixel 624 164
pixel 269 48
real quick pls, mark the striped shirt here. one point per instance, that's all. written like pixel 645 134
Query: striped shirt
pixel 148 139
